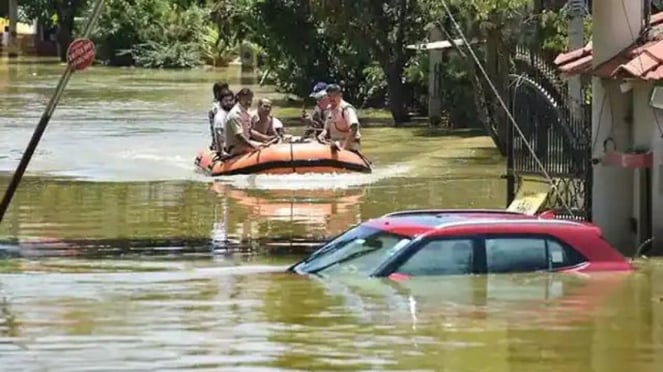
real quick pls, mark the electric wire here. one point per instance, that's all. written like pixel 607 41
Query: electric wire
pixel 506 109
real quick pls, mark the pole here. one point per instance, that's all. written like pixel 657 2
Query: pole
pixel 576 11
pixel 12 44
pixel 43 122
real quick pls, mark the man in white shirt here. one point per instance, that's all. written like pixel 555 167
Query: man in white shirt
pixel 226 103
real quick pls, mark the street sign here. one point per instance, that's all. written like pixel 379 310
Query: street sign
pixel 81 53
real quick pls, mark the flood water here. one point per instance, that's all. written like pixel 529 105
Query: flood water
pixel 121 257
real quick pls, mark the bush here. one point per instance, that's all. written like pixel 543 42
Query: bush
pixel 151 33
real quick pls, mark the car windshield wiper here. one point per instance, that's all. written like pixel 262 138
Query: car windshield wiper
pixel 345 259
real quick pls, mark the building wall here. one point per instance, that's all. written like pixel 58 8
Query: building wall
pixel 616 25
pixel 612 189
pixel 649 122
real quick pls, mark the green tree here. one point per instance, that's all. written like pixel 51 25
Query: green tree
pixel 152 33
pixel 494 28
pixel 298 50
pixel 383 29
pixel 55 12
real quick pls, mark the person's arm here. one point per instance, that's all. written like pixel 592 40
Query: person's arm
pixel 255 134
pixel 233 123
pixel 307 119
pixel 259 136
pixel 276 129
pixel 353 120
pixel 323 135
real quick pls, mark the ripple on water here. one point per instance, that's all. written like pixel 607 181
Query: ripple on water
pixel 247 317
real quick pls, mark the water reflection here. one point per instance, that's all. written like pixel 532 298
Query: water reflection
pixel 548 300
pixel 56 217
pixel 285 215
pixel 251 317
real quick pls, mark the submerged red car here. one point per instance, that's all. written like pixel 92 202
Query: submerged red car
pixel 455 242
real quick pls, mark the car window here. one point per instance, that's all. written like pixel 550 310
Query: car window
pixel 358 251
pixel 562 255
pixel 513 254
pixel 441 257
pixel 509 255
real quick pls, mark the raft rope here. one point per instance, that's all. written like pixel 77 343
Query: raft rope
pixel 506 109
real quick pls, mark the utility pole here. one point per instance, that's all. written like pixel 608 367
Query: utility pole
pixel 577 9
pixel 12 45
pixel 79 56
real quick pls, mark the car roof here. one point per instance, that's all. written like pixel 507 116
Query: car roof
pixel 421 221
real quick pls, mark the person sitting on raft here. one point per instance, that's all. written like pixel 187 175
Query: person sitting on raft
pixel 342 124
pixel 237 128
pixel 316 121
pixel 227 101
pixel 218 90
pixel 265 127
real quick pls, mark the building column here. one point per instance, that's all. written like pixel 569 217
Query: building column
pixel 576 41
pixel 616 25
pixel 645 133
pixel 12 45
pixel 434 88
pixel 657 179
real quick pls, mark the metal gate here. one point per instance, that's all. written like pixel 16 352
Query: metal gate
pixel 561 140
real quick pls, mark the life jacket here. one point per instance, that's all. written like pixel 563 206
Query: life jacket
pixel 344 107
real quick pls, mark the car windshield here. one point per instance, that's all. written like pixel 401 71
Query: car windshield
pixel 358 251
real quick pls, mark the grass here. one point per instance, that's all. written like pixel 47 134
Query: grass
pixel 291 112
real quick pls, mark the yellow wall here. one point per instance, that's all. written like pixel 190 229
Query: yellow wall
pixel 21 29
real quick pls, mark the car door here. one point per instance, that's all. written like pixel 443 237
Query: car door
pixel 514 253
pixel 455 255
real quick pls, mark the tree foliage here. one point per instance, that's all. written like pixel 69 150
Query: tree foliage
pixel 299 51
pixel 60 13
pixel 383 29
pixel 361 44
pixel 152 33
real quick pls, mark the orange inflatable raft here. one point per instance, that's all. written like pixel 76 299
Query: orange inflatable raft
pixel 284 158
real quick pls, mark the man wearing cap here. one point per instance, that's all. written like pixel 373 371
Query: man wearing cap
pixel 342 124
pixel 316 122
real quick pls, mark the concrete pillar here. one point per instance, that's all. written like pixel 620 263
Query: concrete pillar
pixel 657 180
pixel 434 88
pixel 616 25
pixel 12 47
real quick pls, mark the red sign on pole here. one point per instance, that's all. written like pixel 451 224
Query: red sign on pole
pixel 81 53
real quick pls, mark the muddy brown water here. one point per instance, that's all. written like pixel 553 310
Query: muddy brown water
pixel 120 257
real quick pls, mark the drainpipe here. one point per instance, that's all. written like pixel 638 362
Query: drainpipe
pixel 646 9
pixel 12 45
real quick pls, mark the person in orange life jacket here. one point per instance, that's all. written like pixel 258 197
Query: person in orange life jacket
pixel 237 128
pixel 342 124
pixel 265 127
